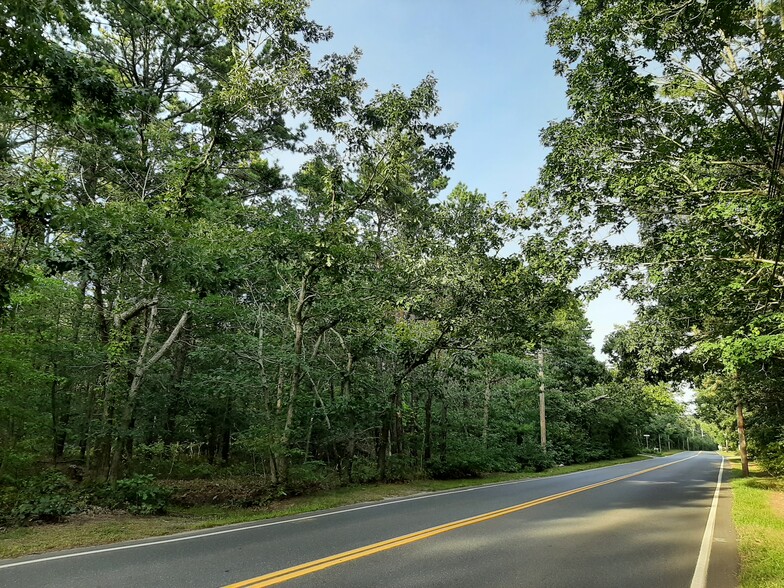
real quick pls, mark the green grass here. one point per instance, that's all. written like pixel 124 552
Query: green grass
pixel 758 513
pixel 85 531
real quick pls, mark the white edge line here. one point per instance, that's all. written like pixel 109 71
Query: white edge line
pixel 287 521
pixel 700 578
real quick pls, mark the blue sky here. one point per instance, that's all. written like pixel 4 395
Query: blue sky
pixel 495 81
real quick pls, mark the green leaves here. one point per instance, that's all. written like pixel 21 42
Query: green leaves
pixel 760 344
pixel 203 306
pixel 674 121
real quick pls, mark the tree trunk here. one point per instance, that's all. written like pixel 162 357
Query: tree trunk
pixel 86 427
pixel 310 430
pixel 100 455
pixel 744 457
pixel 124 422
pixel 226 433
pixel 345 384
pixel 428 449
pixel 442 444
pixel 63 407
pixel 120 443
pixel 382 448
pixel 173 408
pixel 212 441
pixel 296 380
pixel 56 452
pixel 542 414
pixel 350 457
pixel 396 424
pixel 298 322
pixel 486 409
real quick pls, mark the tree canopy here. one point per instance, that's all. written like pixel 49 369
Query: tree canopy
pixel 173 302
pixel 676 136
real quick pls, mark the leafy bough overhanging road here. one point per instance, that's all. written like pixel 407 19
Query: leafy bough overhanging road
pixel 632 525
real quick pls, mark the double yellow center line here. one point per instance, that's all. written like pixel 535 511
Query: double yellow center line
pixel 346 556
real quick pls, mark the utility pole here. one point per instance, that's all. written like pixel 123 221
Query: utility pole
pixel 542 418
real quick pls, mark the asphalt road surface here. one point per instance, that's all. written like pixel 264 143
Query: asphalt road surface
pixel 637 524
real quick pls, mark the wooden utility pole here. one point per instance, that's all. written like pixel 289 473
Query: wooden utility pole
pixel 542 418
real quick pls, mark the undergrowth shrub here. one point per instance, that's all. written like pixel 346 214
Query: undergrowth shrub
pixel 361 470
pixel 178 461
pixel 469 458
pixel 309 477
pixel 401 468
pixel 141 494
pixel 48 497
pixel 771 457
pixel 454 468
pixel 534 458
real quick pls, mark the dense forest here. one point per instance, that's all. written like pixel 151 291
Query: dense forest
pixel 174 303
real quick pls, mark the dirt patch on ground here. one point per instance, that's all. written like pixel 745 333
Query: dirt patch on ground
pixel 242 492
pixel 97 514
pixel 777 503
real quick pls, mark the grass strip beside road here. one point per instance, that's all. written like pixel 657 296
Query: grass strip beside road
pixel 88 531
pixel 758 514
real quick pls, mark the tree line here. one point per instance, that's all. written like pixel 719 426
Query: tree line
pixel 174 302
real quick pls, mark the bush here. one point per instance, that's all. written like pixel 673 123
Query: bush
pixel 454 468
pixel 469 458
pixel 51 497
pixel 771 457
pixel 400 468
pixel 16 465
pixel 361 470
pixel 310 477
pixel 195 471
pixel 566 454
pixel 46 509
pixel 533 457
pixel 175 461
pixel 140 494
pixel 47 497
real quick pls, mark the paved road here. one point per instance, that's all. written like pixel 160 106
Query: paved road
pixel 639 524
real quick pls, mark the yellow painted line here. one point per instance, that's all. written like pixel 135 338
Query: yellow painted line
pixel 333 560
